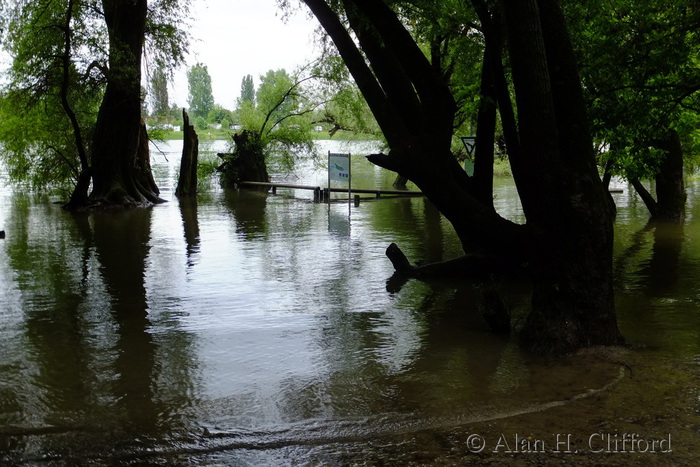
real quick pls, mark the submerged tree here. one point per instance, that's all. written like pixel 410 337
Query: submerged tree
pixel 50 102
pixel 277 122
pixel 566 243
pixel 120 168
pixel 640 69
pixel 78 52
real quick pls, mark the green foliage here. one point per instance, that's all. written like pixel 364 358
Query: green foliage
pixel 348 110
pixel 167 36
pixel 343 107
pixel 280 116
pixel 49 71
pixel 59 56
pixel 200 123
pixel 38 147
pixel 200 99
pixel 247 91
pixel 639 64
pixel 207 167
pixel 159 93
pixel 217 114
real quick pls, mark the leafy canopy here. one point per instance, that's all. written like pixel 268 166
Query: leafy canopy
pixel 641 72
pixel 281 114
pixel 59 60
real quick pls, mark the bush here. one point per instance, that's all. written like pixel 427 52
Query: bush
pixel 200 123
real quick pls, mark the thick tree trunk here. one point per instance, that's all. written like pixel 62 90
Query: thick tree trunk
pixel 485 134
pixel 492 85
pixel 567 240
pixel 121 175
pixel 573 300
pixel 187 182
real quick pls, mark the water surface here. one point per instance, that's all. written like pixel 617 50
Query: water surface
pixel 245 328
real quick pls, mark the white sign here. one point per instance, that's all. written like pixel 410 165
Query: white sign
pixel 339 167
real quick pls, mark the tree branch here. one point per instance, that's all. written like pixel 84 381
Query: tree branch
pixel 281 101
pixel 386 116
pixel 648 199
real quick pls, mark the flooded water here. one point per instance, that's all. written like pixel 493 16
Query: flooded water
pixel 247 328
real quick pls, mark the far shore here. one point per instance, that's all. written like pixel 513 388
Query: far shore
pixel 212 134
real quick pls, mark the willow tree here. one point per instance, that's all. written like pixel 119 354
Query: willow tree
pixel 566 243
pixel 276 127
pixel 48 102
pixel 69 53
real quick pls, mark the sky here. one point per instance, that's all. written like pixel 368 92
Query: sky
pixel 234 38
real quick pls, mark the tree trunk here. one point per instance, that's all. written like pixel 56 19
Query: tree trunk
pixel 187 183
pixel 670 199
pixel 567 241
pixel 670 186
pixel 247 163
pixel 121 176
pixel 491 78
pixel 573 299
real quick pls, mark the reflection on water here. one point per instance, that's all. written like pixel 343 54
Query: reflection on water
pixel 245 323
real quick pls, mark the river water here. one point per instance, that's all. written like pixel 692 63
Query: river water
pixel 247 328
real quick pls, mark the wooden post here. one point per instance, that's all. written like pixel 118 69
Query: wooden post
pixel 317 195
pixel 187 183
pixel 357 200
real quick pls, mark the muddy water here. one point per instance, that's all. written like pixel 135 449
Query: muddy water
pixel 252 329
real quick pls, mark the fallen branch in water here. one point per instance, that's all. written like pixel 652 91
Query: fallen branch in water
pixel 473 265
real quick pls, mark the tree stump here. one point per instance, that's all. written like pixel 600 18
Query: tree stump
pixel 187 183
pixel 246 163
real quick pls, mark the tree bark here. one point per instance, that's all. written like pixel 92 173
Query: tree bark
pixel 573 300
pixel 247 163
pixel 187 182
pixel 491 71
pixel 478 266
pixel 670 186
pixel 121 176
pixel 669 204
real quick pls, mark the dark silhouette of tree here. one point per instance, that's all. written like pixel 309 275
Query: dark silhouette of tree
pixel 566 243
